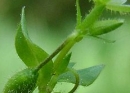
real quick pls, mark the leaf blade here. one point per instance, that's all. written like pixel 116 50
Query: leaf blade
pixel 117 1
pixel 119 8
pixel 61 67
pixel 104 26
pixel 31 54
pixel 87 75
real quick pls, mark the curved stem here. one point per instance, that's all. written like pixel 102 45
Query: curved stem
pixel 77 80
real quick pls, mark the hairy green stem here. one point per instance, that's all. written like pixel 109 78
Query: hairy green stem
pixel 92 17
pixel 64 48
pixel 73 38
pixel 79 17
pixel 77 35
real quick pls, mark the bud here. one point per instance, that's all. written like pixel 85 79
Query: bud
pixel 22 82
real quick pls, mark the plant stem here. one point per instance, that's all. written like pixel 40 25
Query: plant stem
pixel 79 17
pixel 70 38
pixel 88 21
pixel 77 35
pixel 92 17
pixel 76 82
pixel 63 52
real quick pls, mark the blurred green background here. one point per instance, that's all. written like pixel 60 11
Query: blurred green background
pixel 49 22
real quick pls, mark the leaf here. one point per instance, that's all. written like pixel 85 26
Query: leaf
pixel 104 26
pixel 87 75
pixel 100 1
pixel 71 64
pixel 61 67
pixel 30 53
pixel 119 8
pixel 92 17
pixel 117 1
pixel 105 40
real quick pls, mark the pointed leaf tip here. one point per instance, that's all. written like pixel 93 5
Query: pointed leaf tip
pixel 30 53
pixel 105 26
pixel 87 75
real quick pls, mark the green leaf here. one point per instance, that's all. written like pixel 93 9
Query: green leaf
pixel 87 75
pixel 44 77
pixel 105 40
pixel 104 26
pixel 30 53
pixel 70 65
pixel 61 67
pixel 92 17
pixel 100 1
pixel 117 1
pixel 119 8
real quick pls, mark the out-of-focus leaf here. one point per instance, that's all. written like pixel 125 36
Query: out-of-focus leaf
pixel 30 53
pixel 87 75
pixel 100 1
pixel 71 64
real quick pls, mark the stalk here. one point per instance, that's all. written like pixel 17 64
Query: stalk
pixel 64 48
pixel 69 41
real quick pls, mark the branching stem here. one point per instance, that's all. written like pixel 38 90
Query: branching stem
pixel 65 43
pixel 64 48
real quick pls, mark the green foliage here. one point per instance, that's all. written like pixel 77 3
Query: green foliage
pixel 92 17
pixel 123 9
pixel 87 75
pixel 30 53
pixel 118 6
pixel 117 1
pixel 61 69
pixel 104 26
